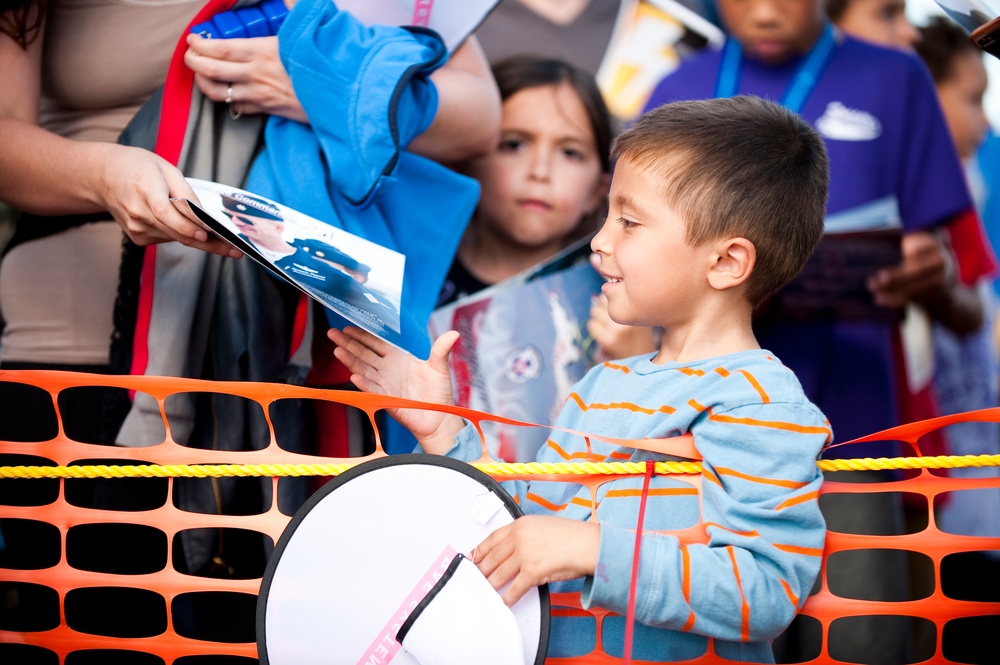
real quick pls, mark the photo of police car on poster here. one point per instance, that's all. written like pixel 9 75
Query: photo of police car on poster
pixel 356 278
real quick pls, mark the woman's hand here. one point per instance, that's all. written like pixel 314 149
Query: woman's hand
pixel 378 367
pixel 248 73
pixel 138 186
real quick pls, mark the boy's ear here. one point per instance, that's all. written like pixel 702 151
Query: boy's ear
pixel 734 261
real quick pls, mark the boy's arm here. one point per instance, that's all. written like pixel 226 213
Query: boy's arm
pixel 928 276
pixel 934 198
pixel 760 487
pixel 378 367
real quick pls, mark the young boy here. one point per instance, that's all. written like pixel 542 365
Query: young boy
pixel 892 162
pixel 713 205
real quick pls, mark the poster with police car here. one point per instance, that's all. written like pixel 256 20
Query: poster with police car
pixel 358 279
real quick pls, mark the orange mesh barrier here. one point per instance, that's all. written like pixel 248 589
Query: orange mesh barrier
pixel 70 606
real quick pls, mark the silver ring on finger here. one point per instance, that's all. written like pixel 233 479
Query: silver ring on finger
pixel 229 94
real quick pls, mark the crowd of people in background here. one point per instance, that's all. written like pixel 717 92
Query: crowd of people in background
pixel 517 114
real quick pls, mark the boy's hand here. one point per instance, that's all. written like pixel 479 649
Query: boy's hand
pixel 378 367
pixel 927 270
pixel 928 276
pixel 614 340
pixel 537 549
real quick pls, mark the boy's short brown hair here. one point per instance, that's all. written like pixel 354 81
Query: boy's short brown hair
pixel 739 166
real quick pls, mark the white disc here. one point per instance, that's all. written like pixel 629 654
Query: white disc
pixel 349 562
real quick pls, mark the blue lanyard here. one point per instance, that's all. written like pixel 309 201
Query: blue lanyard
pixel 802 83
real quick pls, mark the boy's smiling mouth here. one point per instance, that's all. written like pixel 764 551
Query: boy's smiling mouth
pixel 609 281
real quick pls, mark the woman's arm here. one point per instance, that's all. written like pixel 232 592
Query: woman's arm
pixel 249 72
pixel 467 123
pixel 46 174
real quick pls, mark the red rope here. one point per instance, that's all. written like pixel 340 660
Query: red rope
pixel 630 614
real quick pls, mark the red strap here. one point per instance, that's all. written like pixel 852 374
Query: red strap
pixel 630 614
pixel 972 247
pixel 299 323
pixel 174 111
pixel 178 89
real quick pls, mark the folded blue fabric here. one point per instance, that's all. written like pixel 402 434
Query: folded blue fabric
pixel 367 94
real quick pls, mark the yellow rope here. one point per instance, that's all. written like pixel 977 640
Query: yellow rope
pixel 493 469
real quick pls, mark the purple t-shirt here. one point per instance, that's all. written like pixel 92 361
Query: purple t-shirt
pixel 891 159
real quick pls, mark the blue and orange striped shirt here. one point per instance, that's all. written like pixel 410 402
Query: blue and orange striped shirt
pixel 759 438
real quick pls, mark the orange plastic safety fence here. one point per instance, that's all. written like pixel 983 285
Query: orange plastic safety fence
pixel 70 605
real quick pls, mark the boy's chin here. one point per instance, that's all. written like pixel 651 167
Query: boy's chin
pixel 627 321
pixel 772 58
pixel 770 52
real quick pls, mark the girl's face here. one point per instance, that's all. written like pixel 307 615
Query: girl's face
pixel 961 96
pixel 545 174
pixel 879 21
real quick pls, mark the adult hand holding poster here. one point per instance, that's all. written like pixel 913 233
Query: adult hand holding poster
pixel 356 278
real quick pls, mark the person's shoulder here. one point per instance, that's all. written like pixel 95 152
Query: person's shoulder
pixel 762 372
pixel 862 56
pixel 707 57
pixel 758 386
pixel 606 373
pixel 324 250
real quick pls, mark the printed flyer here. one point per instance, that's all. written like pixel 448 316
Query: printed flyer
pixel 524 344
pixel 356 278
pixel 833 285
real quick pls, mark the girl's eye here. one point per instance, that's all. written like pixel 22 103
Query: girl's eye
pixel 510 145
pixel 573 154
pixel 626 223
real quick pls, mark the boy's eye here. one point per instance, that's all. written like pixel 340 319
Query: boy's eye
pixel 626 223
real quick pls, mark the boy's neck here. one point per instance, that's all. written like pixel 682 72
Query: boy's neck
pixel 717 331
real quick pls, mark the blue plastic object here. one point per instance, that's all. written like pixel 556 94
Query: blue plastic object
pixel 260 20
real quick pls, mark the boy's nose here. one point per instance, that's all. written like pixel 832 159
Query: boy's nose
pixel 908 35
pixel 763 12
pixel 982 123
pixel 599 243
